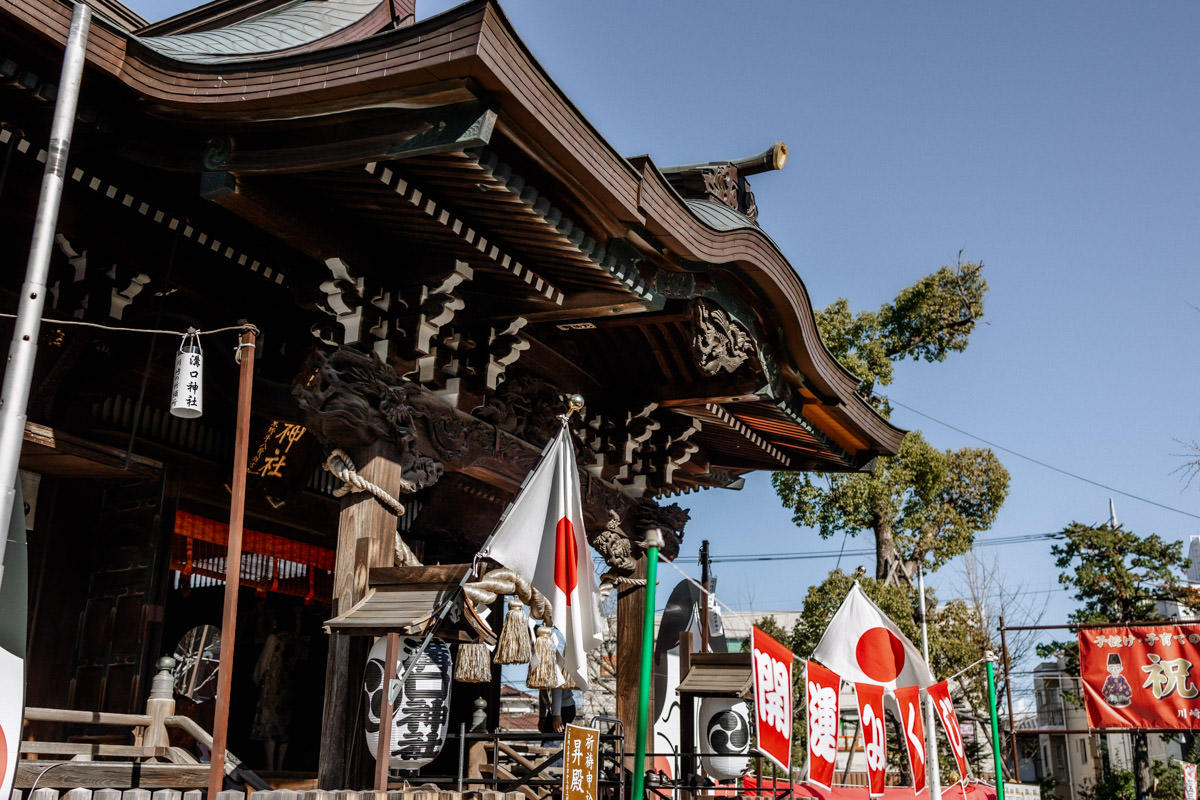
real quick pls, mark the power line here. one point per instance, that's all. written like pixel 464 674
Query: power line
pixel 805 555
pixel 1040 463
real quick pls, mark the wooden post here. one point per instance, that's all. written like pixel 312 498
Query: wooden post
pixel 687 715
pixel 383 751
pixel 630 603
pixel 366 538
pixel 233 564
pixel 160 704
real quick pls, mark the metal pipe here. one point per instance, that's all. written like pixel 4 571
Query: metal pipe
pixel 639 756
pixel 853 748
pixel 1088 625
pixel 22 352
pixel 1012 722
pixel 933 769
pixel 233 563
pixel 991 682
pixel 462 751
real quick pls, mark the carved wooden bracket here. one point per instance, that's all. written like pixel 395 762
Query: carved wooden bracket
pixel 92 287
pixel 350 398
pixel 719 342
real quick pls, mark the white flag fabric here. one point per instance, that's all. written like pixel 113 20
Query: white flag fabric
pixel 863 646
pixel 541 537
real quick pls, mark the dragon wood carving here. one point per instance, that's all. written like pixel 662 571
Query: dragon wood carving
pixel 351 400
pixel 719 342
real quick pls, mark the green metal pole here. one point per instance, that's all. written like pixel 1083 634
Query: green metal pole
pixel 991 675
pixel 639 758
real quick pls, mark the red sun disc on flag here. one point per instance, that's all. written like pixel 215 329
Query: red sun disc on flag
pixel 566 558
pixel 879 654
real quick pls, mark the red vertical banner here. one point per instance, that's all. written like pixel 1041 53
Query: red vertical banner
pixel 870 712
pixel 772 698
pixel 822 723
pixel 940 693
pixel 908 698
pixel 1189 780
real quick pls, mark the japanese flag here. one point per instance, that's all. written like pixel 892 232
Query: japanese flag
pixel 541 537
pixel 863 646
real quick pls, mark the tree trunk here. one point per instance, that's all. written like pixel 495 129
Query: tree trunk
pixel 1142 779
pixel 888 566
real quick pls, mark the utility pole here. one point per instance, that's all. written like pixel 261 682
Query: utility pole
pixel 18 373
pixel 704 595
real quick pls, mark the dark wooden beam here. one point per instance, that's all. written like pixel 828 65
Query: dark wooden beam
pixel 282 148
pixel 245 199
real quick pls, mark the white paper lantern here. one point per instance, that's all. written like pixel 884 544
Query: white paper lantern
pixel 187 390
pixel 421 714
pixel 724 726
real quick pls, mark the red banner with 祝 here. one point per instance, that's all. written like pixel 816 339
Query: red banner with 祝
pixel 822 720
pixel 944 706
pixel 870 711
pixel 1143 676
pixel 772 698
pixel 908 698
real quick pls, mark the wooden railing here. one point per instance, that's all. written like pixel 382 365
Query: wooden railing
pixel 150 762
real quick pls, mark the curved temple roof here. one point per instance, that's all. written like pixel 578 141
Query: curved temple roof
pixel 290 27
pixel 325 98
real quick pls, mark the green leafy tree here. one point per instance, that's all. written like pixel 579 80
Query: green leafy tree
pixel 924 506
pixel 925 322
pixel 1120 577
pixel 1116 785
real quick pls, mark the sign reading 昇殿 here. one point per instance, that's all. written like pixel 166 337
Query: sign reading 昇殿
pixel 581 756
pixel 1141 676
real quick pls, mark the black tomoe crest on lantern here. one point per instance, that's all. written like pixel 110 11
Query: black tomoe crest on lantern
pixel 724 725
pixel 421 713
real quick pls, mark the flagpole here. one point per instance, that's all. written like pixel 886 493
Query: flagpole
pixel 933 770
pixel 643 708
pixel 991 679
pixel 574 403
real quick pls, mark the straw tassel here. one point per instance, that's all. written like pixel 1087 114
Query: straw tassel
pixel 568 680
pixel 514 646
pixel 472 665
pixel 545 674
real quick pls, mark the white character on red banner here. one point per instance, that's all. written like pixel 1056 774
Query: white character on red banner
pixel 870 711
pixel 944 706
pixel 822 721
pixel 908 700
pixel 772 697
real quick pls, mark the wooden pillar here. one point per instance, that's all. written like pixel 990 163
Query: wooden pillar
pixel 366 538
pixel 687 715
pixel 630 610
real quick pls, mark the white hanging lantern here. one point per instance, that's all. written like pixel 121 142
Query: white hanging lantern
pixel 187 391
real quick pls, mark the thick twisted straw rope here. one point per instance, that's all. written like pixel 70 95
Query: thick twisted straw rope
pixel 339 464
pixel 484 592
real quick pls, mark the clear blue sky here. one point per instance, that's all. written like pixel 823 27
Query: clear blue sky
pixel 1056 142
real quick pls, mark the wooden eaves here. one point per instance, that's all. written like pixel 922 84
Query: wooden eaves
pixel 603 235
